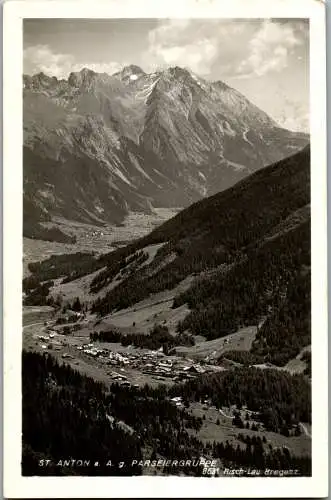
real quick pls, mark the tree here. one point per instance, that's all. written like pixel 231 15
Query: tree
pixel 284 430
pixel 297 430
pixel 58 300
pixel 76 306
pixel 237 421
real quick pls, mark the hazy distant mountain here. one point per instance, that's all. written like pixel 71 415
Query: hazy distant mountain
pixel 96 146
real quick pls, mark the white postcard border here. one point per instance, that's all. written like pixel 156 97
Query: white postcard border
pixel 16 486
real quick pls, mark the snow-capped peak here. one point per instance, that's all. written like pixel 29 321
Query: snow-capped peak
pixel 129 71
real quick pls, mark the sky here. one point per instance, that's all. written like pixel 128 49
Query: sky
pixel 265 59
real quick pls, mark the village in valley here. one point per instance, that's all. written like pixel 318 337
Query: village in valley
pixel 127 365
pixel 68 338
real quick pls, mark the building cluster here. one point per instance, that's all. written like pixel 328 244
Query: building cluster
pixel 153 363
pixel 176 369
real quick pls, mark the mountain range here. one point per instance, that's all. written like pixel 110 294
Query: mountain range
pixel 97 146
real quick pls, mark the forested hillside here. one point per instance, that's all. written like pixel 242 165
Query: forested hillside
pixel 254 242
pixel 281 400
pixel 273 281
pixel 218 230
pixel 67 414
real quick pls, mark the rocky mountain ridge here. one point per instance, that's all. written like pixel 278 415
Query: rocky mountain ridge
pixel 97 146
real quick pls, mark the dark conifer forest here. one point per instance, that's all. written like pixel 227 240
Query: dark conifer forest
pixel 279 398
pixel 159 337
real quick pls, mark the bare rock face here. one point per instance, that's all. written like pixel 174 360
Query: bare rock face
pixel 97 146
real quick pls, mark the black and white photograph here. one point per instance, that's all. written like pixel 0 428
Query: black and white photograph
pixel 167 228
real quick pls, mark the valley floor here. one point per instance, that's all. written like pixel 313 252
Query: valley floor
pixel 98 239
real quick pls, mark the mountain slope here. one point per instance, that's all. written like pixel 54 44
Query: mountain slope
pixel 97 146
pixel 219 231
pixel 250 247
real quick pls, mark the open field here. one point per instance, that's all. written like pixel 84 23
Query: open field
pixel 238 341
pixel 157 309
pixel 297 365
pixel 32 314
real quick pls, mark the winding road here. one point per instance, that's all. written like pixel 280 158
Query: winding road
pixel 33 324
pixel 224 415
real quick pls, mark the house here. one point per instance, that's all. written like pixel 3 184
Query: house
pixel 164 364
pixel 164 369
pixel 176 399
pixel 196 369
pixel 43 337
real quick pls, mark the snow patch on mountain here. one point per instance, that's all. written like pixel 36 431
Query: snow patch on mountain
pixel 135 163
pixel 146 91
pixel 117 172
pixel 228 129
pixel 245 136
pixel 237 166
